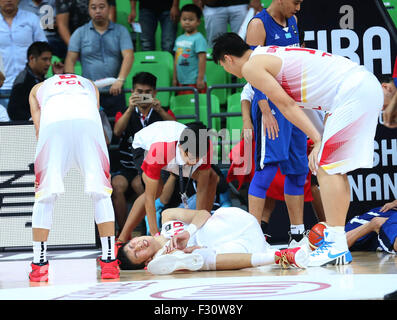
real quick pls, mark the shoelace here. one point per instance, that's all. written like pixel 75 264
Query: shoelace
pixel 324 245
pixel 284 261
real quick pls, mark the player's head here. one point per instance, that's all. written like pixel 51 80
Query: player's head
pixel 99 11
pixel 194 142
pixel 190 17
pixel 39 57
pixel 228 51
pixel 389 88
pixel 136 253
pixel 288 8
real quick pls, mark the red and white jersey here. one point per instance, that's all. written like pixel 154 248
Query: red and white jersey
pixel 311 77
pixel 172 228
pixel 161 141
pixel 67 97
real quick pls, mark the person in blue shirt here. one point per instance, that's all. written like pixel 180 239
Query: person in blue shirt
pixel 105 50
pixel 190 51
pixel 278 143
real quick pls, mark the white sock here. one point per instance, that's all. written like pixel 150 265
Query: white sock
pixel 108 248
pixel 297 228
pixel 263 258
pixel 39 252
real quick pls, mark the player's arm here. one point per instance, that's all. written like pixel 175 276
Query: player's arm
pixel 256 33
pixel 195 218
pixel 256 72
pixel 152 192
pixel 390 113
pixel 35 108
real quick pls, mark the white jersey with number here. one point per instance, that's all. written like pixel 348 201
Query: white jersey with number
pixel 311 77
pixel 67 97
pixel 351 95
pixel 70 135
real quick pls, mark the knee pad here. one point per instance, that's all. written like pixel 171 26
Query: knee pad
pixel 104 211
pixel 294 184
pixel 42 213
pixel 261 181
pixel 209 257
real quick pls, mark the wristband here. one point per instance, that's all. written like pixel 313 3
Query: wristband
pixel 121 79
pixel 191 229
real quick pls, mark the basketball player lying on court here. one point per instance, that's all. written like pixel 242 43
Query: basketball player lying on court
pixel 295 77
pixel 193 240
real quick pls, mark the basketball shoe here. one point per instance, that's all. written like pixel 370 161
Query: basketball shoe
pixel 293 257
pixel 109 269
pixel 39 272
pixel 178 260
pixel 303 242
pixel 333 250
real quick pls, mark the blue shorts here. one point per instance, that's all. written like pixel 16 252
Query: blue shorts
pixel 288 151
pixel 373 241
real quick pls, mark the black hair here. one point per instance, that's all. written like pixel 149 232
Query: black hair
pixel 37 48
pixel 125 262
pixel 145 78
pixel 228 43
pixel 194 139
pixel 385 78
pixel 192 8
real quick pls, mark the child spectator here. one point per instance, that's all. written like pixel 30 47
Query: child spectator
pixel 190 52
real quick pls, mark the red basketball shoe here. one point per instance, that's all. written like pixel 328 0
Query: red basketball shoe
pixel 294 257
pixel 109 270
pixel 39 272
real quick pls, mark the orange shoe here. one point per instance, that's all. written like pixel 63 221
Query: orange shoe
pixel 109 270
pixel 39 272
pixel 294 257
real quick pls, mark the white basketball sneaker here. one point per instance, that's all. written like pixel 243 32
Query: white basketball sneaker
pixel 178 260
pixel 333 250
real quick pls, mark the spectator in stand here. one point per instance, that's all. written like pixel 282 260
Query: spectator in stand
pixel 15 40
pixel 150 13
pixel 39 61
pixel 219 13
pixel 190 52
pixel 71 14
pixel 45 10
pixel 101 43
pixel 137 116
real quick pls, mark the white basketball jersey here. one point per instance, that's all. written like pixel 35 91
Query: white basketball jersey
pixel 67 97
pixel 311 77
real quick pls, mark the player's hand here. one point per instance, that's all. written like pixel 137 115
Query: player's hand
pixel 270 125
pixel 389 206
pixel 116 88
pixel 247 132
pixel 191 249
pixel 179 241
pixel 377 223
pixel 313 157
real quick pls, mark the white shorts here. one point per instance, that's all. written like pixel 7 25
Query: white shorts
pixel 72 143
pixel 349 132
pixel 231 230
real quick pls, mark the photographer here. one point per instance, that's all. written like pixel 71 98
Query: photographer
pixel 143 109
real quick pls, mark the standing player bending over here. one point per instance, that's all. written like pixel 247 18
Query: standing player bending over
pixel 230 239
pixel 68 126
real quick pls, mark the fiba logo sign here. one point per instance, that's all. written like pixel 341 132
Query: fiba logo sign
pixel 47 17
pixel 374 46
pixel 240 291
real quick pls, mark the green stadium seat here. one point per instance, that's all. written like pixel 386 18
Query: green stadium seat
pixel 159 57
pixel 184 105
pixel 234 124
pixel 215 74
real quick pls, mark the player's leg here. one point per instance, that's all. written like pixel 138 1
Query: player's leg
pixel 257 190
